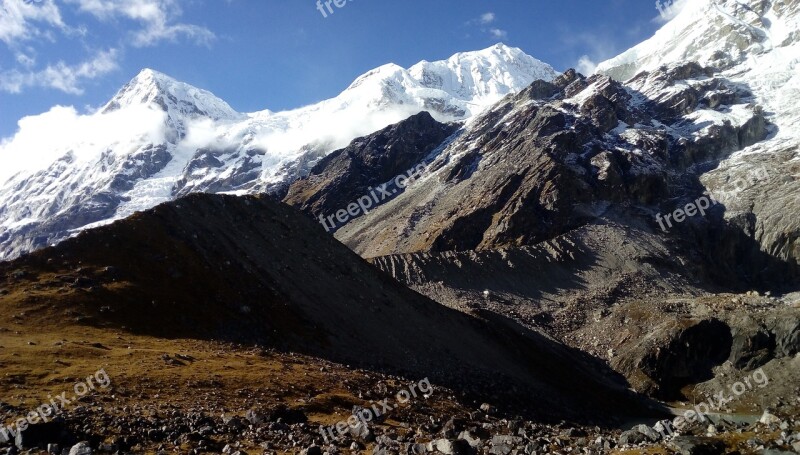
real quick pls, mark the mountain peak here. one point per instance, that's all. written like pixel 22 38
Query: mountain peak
pixel 382 72
pixel 458 87
pixel 153 78
pixel 150 73
pixel 156 89
pixel 489 73
pixel 497 49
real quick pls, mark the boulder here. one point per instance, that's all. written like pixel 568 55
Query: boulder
pixel 787 338
pixel 631 437
pixel 81 448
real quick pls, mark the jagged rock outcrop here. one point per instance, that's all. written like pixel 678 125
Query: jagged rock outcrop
pixel 376 161
pixel 558 155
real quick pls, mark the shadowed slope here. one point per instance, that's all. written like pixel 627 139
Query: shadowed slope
pixel 253 270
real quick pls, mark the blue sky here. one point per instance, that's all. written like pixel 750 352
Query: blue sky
pixel 278 54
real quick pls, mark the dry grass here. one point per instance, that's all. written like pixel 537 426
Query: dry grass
pixel 42 356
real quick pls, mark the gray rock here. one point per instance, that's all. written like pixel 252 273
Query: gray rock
pixel 649 432
pixel 505 439
pixel 501 449
pixel 451 428
pixel 450 447
pixel 532 447
pixel 752 346
pixel 471 439
pixel 631 437
pixel 255 417
pixel 787 338
pixel 444 446
pixel 769 419
pixel 235 423
pixel 81 448
pixel 361 431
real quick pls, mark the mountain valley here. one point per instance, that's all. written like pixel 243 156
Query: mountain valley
pixel 574 263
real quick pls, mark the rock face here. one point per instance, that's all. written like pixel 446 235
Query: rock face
pixel 561 155
pixel 552 206
pixel 664 346
pixel 751 44
pixel 682 353
pixel 251 270
pixel 375 161
pixel 532 204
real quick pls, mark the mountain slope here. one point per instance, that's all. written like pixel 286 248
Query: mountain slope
pixel 370 163
pixel 158 139
pixel 558 155
pixel 753 44
pixel 250 270
pixel 551 206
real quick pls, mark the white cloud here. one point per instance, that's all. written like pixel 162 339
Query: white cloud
pixel 25 60
pixel 61 76
pixel 498 33
pixel 586 65
pixel 156 17
pixel 19 19
pixel 44 138
pixel 142 23
pixel 594 47
pixel 483 21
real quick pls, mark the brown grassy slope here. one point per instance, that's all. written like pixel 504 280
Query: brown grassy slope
pixel 254 271
pixel 219 379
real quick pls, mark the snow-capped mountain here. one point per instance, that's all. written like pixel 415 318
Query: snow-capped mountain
pixel 560 156
pixel 753 42
pixel 158 139
pixel 180 101
pixel 480 79
pixel 753 45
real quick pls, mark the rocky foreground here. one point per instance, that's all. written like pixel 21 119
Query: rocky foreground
pixel 439 424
